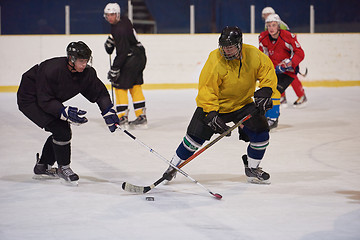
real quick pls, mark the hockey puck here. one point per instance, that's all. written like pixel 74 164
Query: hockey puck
pixel 150 198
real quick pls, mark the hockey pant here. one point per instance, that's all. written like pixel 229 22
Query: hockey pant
pixel 122 100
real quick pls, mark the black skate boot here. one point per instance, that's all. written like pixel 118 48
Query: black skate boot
pixel 255 175
pixel 176 161
pixel 300 102
pixel 273 122
pixel 67 174
pixel 44 171
pixel 124 120
pixel 140 121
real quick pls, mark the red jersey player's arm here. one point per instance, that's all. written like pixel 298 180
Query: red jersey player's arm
pixel 298 52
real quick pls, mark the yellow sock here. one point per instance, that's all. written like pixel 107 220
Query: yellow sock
pixel 138 99
pixel 122 102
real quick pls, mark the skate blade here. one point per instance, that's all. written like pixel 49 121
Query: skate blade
pixel 258 181
pixel 140 126
pixel 302 105
pixel 69 183
pixel 44 177
pixel 124 126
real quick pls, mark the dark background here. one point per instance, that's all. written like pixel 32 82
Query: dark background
pixel 173 16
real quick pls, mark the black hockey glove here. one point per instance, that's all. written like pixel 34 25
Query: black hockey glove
pixel 109 45
pixel 111 118
pixel 216 123
pixel 73 115
pixel 113 75
pixel 263 99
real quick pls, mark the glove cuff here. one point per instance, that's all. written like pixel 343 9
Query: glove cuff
pixel 111 106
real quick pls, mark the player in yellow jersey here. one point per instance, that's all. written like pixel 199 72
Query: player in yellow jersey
pixel 227 87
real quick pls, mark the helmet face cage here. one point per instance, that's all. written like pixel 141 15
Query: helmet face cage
pixel 112 8
pixel 230 38
pixel 78 50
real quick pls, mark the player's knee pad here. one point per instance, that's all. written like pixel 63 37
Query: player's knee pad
pixel 256 136
pixel 62 136
pixel 258 145
pixel 188 146
pixel 261 137
pixel 257 140
pixel 61 130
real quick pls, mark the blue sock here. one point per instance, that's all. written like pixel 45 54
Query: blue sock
pixel 274 112
pixel 188 146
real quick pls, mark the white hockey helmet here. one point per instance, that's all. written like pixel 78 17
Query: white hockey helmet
pixel 266 11
pixel 273 18
pixel 112 8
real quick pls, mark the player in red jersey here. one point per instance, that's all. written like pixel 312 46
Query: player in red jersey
pixel 296 84
pixel 286 53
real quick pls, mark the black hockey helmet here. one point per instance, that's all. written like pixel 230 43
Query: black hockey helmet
pixel 78 50
pixel 230 36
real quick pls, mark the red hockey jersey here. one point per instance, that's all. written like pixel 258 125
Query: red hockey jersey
pixel 285 46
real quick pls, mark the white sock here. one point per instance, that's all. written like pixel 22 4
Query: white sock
pixel 253 163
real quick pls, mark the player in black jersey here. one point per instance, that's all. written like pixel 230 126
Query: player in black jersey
pixel 126 73
pixel 41 94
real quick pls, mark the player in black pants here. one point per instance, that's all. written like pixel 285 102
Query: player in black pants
pixel 227 86
pixel 41 94
pixel 126 73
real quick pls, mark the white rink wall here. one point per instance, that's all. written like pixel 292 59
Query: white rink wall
pixel 178 58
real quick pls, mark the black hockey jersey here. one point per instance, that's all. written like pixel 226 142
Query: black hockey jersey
pixel 125 39
pixel 49 84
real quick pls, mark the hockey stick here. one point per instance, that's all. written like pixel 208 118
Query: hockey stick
pixel 304 74
pixel 140 189
pixel 132 188
pixel 112 88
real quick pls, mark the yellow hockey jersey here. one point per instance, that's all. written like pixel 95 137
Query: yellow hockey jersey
pixel 227 86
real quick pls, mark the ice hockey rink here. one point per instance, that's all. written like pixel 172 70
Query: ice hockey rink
pixel 313 160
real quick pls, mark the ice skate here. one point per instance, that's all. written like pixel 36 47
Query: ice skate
pixel 67 175
pixel 170 176
pixel 300 102
pixel 44 171
pixel 139 122
pixel 176 161
pixel 124 122
pixel 255 175
pixel 273 122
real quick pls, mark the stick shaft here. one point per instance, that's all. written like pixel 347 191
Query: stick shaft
pixel 112 87
pixel 163 178
pixel 165 160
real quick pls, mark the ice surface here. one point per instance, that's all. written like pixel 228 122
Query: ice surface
pixel 313 159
